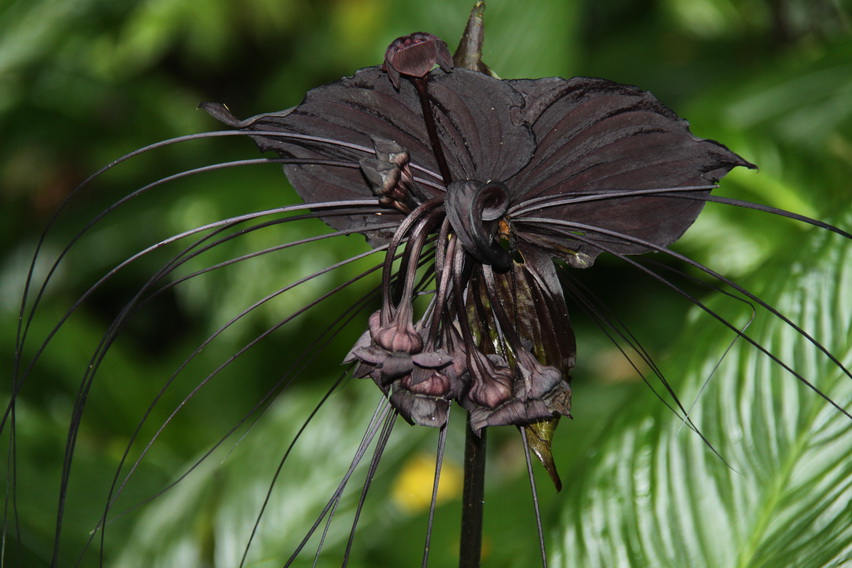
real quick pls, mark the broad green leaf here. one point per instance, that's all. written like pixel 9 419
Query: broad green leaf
pixel 656 496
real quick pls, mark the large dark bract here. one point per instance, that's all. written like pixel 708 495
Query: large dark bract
pixel 545 139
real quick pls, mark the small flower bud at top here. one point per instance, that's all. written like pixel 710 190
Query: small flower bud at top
pixel 414 56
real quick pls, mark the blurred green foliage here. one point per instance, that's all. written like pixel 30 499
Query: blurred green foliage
pixel 83 82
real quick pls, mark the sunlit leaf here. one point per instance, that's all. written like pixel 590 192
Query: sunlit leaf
pixel 652 496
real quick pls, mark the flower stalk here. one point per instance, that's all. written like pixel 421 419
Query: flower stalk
pixel 473 498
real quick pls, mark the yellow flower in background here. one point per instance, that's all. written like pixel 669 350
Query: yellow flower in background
pixel 412 490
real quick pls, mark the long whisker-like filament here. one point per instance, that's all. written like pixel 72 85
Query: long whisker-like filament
pixel 381 443
pixel 380 417
pixel 694 192
pixel 245 348
pixel 611 325
pixel 284 457
pixel 216 225
pixel 536 509
pixel 598 230
pixel 618 334
pixel 535 204
pixel 23 331
pixel 433 504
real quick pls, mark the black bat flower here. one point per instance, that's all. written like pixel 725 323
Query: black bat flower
pixel 498 178
pixel 482 197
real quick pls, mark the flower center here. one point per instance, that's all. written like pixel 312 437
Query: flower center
pixel 475 210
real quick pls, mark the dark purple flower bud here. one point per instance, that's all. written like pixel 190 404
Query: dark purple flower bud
pixel 420 409
pixel 519 412
pixel 432 359
pixel 428 382
pixel 397 336
pixel 414 56
pixel 539 392
pixel 395 365
pixel 491 380
pixel 397 369
pixel 538 379
pixel 390 177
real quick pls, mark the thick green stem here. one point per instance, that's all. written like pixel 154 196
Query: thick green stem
pixel 472 499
